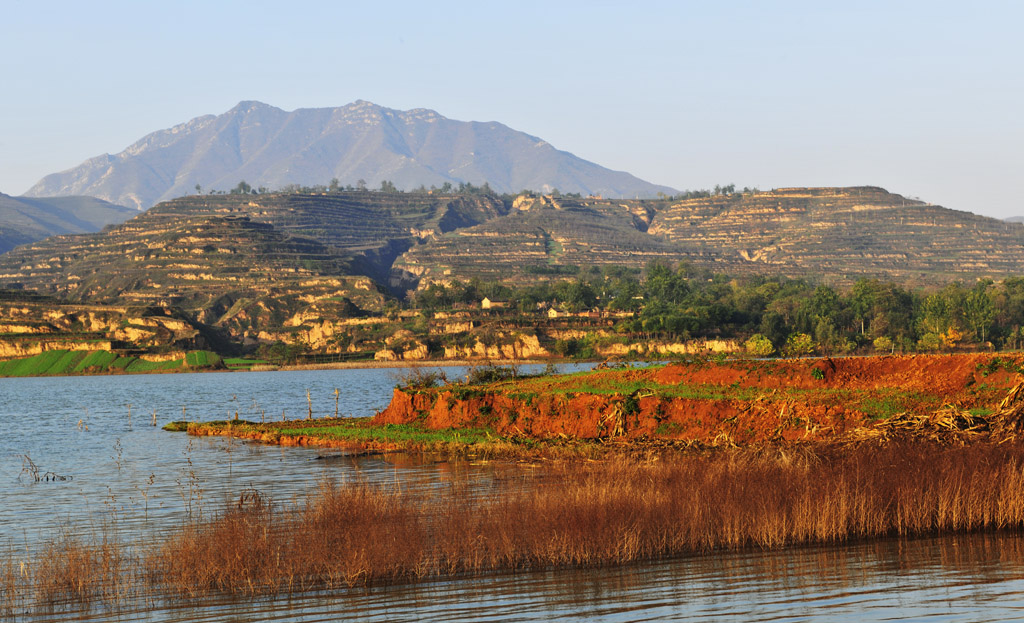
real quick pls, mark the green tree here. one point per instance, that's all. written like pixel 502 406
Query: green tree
pixel 979 310
pixel 826 335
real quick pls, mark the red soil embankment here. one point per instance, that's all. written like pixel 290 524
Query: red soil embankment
pixel 713 403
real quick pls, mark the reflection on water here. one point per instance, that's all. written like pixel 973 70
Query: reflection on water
pixel 147 480
pixel 961 578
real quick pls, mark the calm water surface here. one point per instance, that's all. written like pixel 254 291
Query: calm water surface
pixel 144 479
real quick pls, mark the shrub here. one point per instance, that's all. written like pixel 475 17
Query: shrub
pixel 759 346
pixel 490 373
pixel 799 345
pixel 421 378
pixel 883 344
pixel 930 342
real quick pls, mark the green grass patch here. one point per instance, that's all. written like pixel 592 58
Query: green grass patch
pixel 121 363
pixel 358 430
pixel 884 404
pixel 238 363
pixel 202 359
pixel 37 365
pixel 141 365
pixel 66 362
pixel 98 360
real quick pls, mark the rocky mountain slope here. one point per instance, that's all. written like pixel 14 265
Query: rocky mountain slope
pixel 25 219
pixel 270 147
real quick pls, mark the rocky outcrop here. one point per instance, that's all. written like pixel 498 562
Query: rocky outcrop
pixel 506 346
pixel 15 348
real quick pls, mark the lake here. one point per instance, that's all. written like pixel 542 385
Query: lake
pixel 112 468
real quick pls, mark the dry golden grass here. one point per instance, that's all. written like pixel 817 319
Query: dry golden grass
pixel 571 513
pixel 586 514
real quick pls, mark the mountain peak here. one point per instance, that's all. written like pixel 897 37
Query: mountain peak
pixel 249 106
pixel 271 147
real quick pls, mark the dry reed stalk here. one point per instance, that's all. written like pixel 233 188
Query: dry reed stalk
pixel 11 585
pixel 610 513
pixel 575 514
pixel 70 571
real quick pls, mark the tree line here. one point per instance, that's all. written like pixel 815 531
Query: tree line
pixel 770 314
pixel 448 188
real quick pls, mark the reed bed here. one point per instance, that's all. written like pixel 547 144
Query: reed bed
pixel 567 514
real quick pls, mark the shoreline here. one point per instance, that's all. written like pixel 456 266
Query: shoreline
pixel 338 365
pixel 696 405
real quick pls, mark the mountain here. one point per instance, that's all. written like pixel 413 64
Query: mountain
pixel 273 148
pixel 25 219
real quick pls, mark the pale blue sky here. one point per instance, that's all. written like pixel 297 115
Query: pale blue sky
pixel 923 98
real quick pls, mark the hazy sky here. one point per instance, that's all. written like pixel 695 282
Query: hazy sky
pixel 923 98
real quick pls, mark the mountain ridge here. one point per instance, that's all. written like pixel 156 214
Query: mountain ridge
pixel 267 146
pixel 28 219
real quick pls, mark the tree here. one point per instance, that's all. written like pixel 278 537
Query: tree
pixel 825 334
pixel 335 185
pixel 242 189
pixel 361 184
pixel 386 186
pixel 199 189
pixel 979 310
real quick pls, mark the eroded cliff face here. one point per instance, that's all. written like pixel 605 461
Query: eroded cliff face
pixel 506 346
pixel 30 328
pixel 596 416
pixel 654 348
pixel 708 403
pixel 16 348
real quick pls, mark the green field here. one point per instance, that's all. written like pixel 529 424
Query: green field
pixel 71 362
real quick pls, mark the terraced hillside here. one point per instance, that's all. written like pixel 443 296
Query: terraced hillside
pixel 541 232
pixel 209 253
pixel 842 231
pixel 167 260
pixel 839 233
pixel 370 228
